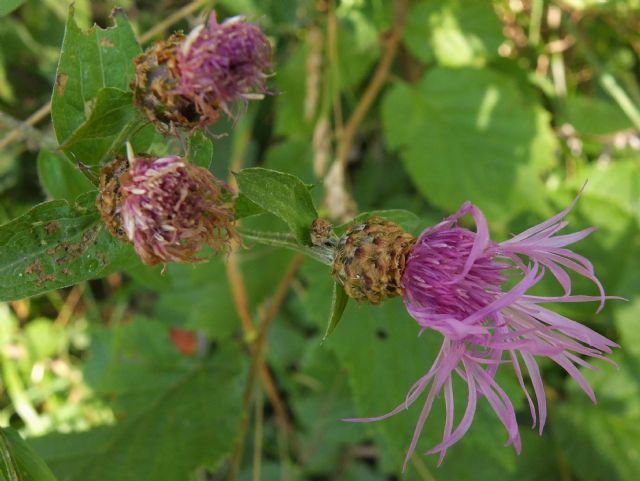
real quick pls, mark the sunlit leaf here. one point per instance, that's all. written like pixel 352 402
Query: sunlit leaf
pixel 471 134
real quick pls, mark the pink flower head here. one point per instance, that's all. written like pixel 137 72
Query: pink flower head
pixel 220 63
pixel 170 207
pixel 454 283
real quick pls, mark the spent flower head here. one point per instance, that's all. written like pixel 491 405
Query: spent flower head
pixel 454 282
pixel 167 207
pixel 187 81
pixel 221 63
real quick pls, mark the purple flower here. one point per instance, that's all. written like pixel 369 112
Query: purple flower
pixel 454 283
pixel 169 207
pixel 220 63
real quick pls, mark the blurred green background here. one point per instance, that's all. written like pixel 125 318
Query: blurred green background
pixel 510 104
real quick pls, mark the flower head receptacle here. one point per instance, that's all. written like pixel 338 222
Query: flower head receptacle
pixel 109 200
pixel 370 258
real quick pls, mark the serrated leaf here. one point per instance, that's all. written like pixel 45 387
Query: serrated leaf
pixel 455 32
pixel 200 150
pixel 284 195
pixel 8 6
pixel 176 413
pixel 471 134
pixel 111 122
pixel 59 177
pixel 339 301
pixel 18 462
pixel 56 244
pixel 90 61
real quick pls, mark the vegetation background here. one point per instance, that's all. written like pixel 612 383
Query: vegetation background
pixel 416 105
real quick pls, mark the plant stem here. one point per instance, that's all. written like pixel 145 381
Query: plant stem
pixel 257 352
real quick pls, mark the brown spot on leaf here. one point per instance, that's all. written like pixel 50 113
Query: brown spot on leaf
pixel 37 268
pixel 61 83
pixel 73 250
pixel 34 267
pixel 51 227
pixel 106 42
pixel 45 278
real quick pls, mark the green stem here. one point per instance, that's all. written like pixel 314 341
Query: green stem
pixel 276 239
pixel 537 7
pixel 613 88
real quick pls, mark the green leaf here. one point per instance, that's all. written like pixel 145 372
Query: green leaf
pixel 59 177
pixel 18 462
pixel 200 150
pixel 617 183
pixel 601 441
pixel 318 410
pixel 56 244
pixel 245 207
pixel 90 61
pixel 284 195
pixel 471 134
pixel 205 289
pixel 338 304
pixel 455 32
pixel 594 116
pixel 8 6
pixel 112 121
pixel 176 413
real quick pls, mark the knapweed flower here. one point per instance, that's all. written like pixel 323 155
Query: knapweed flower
pixel 454 283
pixel 167 207
pixel 188 80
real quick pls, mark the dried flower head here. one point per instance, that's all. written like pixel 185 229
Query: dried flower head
pixel 154 87
pixel 370 258
pixel 188 81
pixel 454 282
pixel 170 207
pixel 221 63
